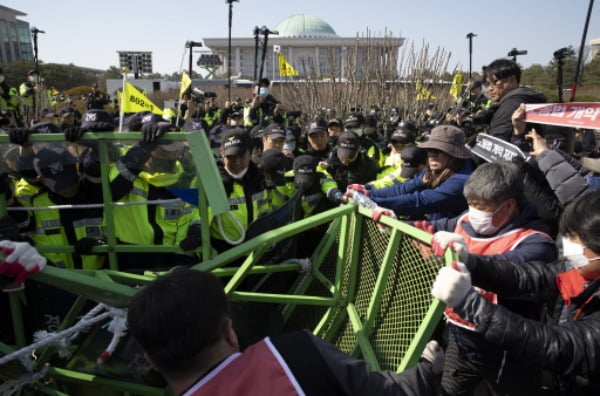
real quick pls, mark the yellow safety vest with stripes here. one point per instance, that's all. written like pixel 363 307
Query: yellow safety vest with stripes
pixel 308 201
pixel 49 231
pixel 132 222
pixel 238 208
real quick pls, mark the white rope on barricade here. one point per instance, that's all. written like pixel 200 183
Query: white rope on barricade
pixel 117 326
pixel 13 387
pixel 42 338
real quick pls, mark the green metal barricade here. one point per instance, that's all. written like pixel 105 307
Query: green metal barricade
pixel 364 290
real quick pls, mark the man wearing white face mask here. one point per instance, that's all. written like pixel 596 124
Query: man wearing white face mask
pixel 265 107
pixel 498 223
pixel 568 344
pixel 245 188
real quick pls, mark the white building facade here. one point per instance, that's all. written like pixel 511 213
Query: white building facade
pixel 310 45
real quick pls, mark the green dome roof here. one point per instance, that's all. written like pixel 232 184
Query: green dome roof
pixel 304 25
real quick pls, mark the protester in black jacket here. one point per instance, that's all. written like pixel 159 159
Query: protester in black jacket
pixel 569 344
pixel 502 78
pixel 349 165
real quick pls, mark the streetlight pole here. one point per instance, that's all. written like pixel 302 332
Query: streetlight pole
pixel 256 32
pixel 191 44
pixel 580 57
pixel 470 37
pixel 265 31
pixel 230 2
pixel 35 31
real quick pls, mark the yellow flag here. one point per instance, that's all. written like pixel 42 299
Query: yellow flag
pixel 285 69
pixel 186 81
pixel 134 101
pixel 456 87
pixel 423 93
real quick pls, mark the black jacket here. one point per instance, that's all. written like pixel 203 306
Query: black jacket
pixel 361 171
pixel 567 346
pixel 501 122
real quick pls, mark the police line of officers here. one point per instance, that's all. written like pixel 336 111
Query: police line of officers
pixel 263 159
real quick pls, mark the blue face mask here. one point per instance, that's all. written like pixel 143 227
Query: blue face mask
pixel 593 182
pixel 263 92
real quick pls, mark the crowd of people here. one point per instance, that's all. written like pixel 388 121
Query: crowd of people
pixel 526 232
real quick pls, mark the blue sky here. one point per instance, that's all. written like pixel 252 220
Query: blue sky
pixel 89 33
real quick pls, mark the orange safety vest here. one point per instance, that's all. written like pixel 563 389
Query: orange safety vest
pixel 260 370
pixel 487 246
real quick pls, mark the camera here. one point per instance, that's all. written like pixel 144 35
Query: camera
pixel 516 52
pixel 198 95
pixel 563 53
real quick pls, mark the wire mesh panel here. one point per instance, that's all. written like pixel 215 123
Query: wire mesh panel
pixel 406 297
pixel 406 300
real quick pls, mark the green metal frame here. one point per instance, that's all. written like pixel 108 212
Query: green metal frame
pixel 116 288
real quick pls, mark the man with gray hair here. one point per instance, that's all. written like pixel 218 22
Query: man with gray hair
pixel 499 222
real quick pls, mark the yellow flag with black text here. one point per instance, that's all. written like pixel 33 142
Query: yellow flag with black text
pixel 285 69
pixel 456 87
pixel 186 81
pixel 423 93
pixel 134 101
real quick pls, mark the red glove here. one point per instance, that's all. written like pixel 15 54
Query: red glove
pixel 378 212
pixel 424 226
pixel 21 260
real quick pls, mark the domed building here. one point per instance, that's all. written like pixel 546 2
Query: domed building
pixel 309 44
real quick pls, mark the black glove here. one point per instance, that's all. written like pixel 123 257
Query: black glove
pixel 85 245
pixel 99 127
pixel 73 134
pixel 20 135
pixel 151 132
pixel 135 158
pixel 193 239
pixel 9 229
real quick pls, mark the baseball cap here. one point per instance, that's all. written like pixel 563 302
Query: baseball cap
pixel 56 166
pixel 45 127
pixel 275 163
pixel 348 144
pixel 354 120
pixel 316 129
pixel 235 142
pixel 92 117
pixel 305 168
pixel 274 131
pixel 412 156
pixel 334 121
pixel 402 136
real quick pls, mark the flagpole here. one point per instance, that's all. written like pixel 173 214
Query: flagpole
pixel 121 113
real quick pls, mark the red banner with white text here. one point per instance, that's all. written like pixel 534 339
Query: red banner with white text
pixel 574 114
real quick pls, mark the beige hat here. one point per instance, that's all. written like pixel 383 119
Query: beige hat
pixel 449 139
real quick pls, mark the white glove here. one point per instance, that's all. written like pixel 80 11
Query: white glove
pixel 443 239
pixel 434 354
pixel 21 259
pixel 452 284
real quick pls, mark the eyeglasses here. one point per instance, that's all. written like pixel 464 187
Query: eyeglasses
pixel 494 82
